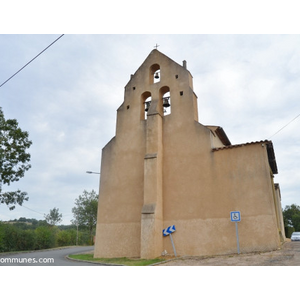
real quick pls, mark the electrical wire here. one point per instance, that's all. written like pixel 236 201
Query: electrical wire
pixel 31 60
pixel 284 126
pixel 40 212
pixel 32 209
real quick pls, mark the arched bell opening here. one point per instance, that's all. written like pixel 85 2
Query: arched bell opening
pixel 154 73
pixel 165 100
pixel 145 104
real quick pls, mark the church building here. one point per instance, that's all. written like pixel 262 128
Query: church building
pixel 164 168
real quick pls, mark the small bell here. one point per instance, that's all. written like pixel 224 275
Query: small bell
pixel 147 105
pixel 166 102
pixel 156 75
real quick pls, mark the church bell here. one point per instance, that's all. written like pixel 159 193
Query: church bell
pixel 156 75
pixel 166 102
pixel 147 105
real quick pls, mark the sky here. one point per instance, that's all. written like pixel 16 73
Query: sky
pixel 68 96
pixel 245 61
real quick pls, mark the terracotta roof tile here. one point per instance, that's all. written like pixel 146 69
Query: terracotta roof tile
pixel 240 145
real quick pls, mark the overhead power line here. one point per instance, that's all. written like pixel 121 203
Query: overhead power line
pixel 285 126
pixel 31 60
pixel 32 210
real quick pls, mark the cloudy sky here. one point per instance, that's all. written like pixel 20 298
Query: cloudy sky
pixel 67 100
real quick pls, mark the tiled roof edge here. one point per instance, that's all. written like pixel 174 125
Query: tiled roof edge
pixel 240 145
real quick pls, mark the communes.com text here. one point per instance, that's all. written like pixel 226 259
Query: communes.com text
pixel 14 260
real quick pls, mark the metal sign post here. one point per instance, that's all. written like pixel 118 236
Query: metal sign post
pixel 169 231
pixel 235 216
pixel 237 237
pixel 173 244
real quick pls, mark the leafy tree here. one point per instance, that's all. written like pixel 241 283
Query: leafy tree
pixel 2 237
pixel 66 237
pixel 14 160
pixel 63 238
pixel 85 212
pixel 9 237
pixel 42 223
pixel 53 217
pixel 26 240
pixel 45 237
pixel 34 222
pixel 291 216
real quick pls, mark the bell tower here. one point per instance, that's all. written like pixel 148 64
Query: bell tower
pixel 164 168
pixel 166 90
pixel 158 98
pixel 152 211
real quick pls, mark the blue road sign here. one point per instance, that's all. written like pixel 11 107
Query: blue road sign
pixel 169 230
pixel 235 216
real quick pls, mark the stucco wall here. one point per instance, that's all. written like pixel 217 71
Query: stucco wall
pixel 165 171
pixel 121 196
pixel 199 200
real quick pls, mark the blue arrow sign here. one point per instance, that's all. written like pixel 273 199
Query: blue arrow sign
pixel 169 230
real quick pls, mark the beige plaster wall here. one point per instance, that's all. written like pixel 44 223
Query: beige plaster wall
pixel 163 171
pixel 199 200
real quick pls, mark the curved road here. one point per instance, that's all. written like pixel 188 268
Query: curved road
pixel 56 257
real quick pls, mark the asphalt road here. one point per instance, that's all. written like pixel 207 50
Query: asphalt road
pixel 288 255
pixel 55 257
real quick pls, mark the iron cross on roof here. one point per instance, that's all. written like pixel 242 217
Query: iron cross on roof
pixel 156 46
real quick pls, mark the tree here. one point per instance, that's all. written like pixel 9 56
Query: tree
pixel 14 160
pixel 85 212
pixel 291 216
pixel 45 237
pixel 53 217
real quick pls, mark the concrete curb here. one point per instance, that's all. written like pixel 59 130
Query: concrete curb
pixel 93 262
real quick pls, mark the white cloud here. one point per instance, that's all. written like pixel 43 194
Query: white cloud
pixel 68 97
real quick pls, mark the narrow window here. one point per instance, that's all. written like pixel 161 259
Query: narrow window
pixel 165 97
pixel 145 104
pixel 166 103
pixel 154 74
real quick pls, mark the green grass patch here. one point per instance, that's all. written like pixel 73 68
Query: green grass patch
pixel 118 261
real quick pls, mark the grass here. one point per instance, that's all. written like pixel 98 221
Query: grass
pixel 117 261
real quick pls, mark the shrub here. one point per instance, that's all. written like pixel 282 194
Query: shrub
pixel 45 237
pixel 63 238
